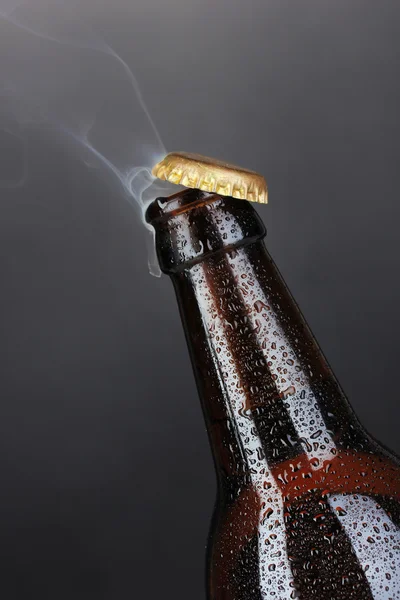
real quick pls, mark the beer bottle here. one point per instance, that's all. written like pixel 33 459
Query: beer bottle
pixel 308 502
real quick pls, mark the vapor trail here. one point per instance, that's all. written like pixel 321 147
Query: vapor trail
pixel 52 73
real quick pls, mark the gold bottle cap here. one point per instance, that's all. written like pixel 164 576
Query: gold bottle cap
pixel 210 175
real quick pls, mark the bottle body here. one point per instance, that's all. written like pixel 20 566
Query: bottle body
pixel 308 503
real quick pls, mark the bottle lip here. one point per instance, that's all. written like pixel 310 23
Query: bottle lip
pixel 163 208
pixel 192 225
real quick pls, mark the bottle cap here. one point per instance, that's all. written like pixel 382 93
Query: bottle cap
pixel 210 175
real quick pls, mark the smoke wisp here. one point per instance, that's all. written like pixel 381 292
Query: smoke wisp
pixel 56 71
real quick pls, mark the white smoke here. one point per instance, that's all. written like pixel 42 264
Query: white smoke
pixel 55 71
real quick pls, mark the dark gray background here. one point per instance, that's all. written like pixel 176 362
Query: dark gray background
pixel 107 483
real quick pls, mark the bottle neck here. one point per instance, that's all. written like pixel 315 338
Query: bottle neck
pixel 268 395
pixel 252 359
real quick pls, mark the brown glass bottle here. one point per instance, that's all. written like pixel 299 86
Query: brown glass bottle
pixel 308 502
